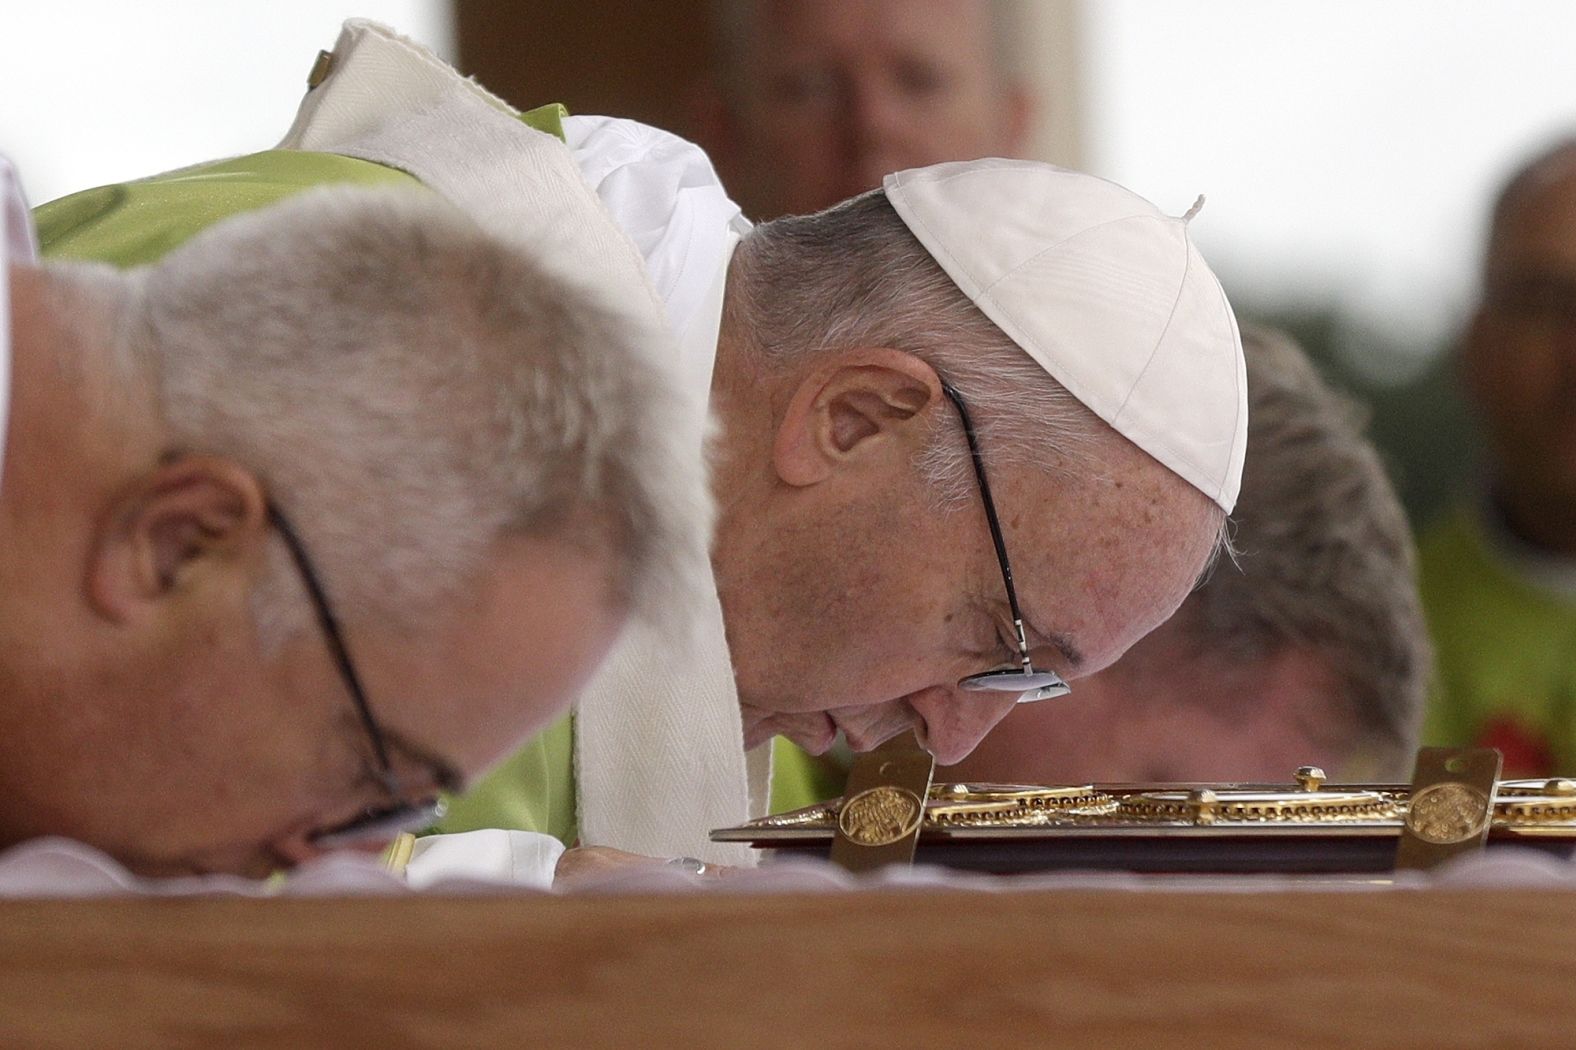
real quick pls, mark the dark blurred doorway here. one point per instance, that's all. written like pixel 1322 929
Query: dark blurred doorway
pixel 638 60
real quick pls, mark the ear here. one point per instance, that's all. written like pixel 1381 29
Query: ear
pixel 869 401
pixel 186 522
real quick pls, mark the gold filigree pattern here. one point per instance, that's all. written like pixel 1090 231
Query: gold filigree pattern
pixel 1208 806
pixel 1008 805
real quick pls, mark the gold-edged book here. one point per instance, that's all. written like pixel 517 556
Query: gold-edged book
pixel 1305 826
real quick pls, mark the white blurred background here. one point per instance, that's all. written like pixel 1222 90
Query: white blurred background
pixel 1348 148
pixel 96 91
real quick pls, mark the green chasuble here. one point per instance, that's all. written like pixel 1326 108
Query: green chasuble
pixel 137 222
pixel 801 779
pixel 534 790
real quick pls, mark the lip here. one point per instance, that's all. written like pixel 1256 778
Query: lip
pixel 824 744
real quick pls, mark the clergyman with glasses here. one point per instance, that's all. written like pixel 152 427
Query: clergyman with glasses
pixel 312 520
pixel 982 429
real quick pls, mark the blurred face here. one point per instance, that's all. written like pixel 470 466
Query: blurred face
pixel 1162 715
pixel 871 604
pixel 1520 354
pixel 245 759
pixel 842 92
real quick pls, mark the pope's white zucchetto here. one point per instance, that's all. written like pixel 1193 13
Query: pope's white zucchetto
pixel 1105 292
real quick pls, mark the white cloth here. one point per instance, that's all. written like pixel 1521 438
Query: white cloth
pixel 658 735
pixel 520 858
pixel 16 245
pixel 663 193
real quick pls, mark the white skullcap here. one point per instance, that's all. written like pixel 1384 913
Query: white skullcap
pixel 16 242
pixel 1106 293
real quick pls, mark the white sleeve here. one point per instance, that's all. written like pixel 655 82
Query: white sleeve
pixel 523 858
pixel 664 194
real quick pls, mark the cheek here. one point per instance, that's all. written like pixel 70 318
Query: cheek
pixel 1515 373
pixel 552 665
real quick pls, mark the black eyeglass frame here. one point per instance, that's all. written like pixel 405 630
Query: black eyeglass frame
pixel 1033 685
pixel 375 822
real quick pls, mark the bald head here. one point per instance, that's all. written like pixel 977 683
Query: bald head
pixel 1519 353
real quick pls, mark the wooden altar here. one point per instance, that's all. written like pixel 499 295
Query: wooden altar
pixel 902 968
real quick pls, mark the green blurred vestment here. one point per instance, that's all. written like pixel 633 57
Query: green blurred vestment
pixel 1506 652
pixel 801 779
pixel 137 222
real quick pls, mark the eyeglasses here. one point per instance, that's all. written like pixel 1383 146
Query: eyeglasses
pixel 376 823
pixel 1031 684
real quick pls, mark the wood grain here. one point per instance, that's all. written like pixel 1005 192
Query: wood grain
pixel 914 969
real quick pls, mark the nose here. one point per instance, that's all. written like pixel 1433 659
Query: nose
pixel 953 722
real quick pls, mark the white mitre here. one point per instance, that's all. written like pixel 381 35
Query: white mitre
pixel 1105 292
pixel 16 245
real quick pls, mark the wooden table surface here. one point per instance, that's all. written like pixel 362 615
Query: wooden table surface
pixel 1433 969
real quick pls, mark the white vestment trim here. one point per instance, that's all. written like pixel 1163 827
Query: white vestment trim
pixel 658 734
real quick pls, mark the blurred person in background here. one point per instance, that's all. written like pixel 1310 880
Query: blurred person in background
pixel 1310 650
pixel 813 101
pixel 315 517
pixel 1499 574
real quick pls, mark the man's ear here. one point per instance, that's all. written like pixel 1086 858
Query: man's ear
pixel 866 401
pixel 181 524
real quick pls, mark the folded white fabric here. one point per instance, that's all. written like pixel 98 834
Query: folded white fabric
pixel 520 858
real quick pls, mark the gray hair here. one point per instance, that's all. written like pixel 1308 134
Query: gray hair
pixel 1326 558
pixel 410 389
pixel 854 275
